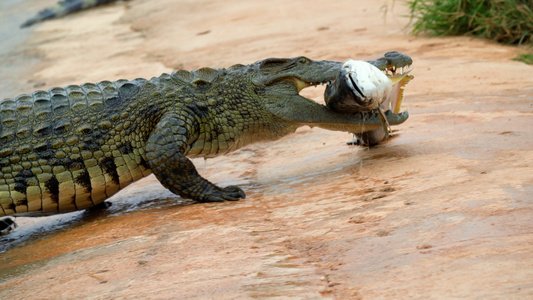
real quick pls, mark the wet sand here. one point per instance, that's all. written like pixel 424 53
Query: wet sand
pixel 442 210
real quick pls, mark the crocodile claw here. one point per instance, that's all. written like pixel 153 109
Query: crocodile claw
pixel 233 193
pixel 229 193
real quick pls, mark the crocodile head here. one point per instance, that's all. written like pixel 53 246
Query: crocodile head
pixel 279 81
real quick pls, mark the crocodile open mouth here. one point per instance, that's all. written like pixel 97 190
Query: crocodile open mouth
pixel 398 76
pixel 362 88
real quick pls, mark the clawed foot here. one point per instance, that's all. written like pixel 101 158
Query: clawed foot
pixel 229 193
pixel 7 225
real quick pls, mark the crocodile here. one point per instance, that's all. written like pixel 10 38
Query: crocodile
pixel 71 148
pixel 62 8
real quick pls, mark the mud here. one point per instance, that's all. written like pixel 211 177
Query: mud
pixel 442 210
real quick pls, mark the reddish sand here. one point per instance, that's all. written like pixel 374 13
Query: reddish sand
pixel 442 210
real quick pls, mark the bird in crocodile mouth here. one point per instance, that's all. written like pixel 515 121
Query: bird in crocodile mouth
pixel 360 87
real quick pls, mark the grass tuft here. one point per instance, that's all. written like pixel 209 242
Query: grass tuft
pixel 525 58
pixel 504 21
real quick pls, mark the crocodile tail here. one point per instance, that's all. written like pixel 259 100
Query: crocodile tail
pixel 63 8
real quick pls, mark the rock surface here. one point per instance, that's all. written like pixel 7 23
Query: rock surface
pixel 442 210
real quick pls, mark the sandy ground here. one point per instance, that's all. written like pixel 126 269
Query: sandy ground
pixel 442 210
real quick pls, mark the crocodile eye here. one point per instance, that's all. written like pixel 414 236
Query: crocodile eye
pixel 303 60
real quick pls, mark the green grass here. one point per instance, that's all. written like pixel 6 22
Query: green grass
pixel 525 58
pixel 504 21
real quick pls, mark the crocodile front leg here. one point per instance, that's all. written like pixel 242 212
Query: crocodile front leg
pixel 165 154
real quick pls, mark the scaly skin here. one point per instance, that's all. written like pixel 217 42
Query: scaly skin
pixel 63 8
pixel 71 148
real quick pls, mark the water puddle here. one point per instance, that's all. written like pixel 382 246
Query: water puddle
pixel 32 229
pixel 147 195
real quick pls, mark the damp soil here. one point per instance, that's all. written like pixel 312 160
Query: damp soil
pixel 441 210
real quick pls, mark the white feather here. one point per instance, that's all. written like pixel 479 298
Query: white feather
pixel 371 81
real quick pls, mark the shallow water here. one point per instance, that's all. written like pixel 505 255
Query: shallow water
pixel 146 194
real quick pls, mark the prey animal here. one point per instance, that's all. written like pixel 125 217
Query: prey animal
pixel 71 148
pixel 362 87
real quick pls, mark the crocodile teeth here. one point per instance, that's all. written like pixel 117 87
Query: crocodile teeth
pixel 393 70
